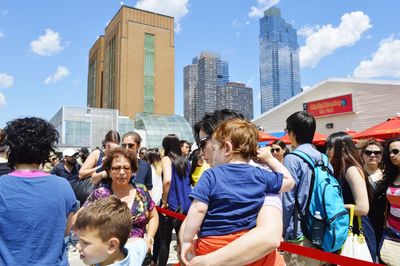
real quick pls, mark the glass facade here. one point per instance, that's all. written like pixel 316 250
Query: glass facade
pixel 91 97
pixel 148 73
pixel 159 126
pixel 111 71
pixel 279 60
pixel 86 127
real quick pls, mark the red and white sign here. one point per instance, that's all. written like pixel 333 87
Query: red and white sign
pixel 331 106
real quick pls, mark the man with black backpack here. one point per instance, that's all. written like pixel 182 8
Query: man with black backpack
pixel 313 211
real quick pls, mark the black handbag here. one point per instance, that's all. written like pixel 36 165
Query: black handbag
pixel 83 188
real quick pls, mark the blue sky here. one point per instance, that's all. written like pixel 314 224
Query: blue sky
pixel 44 44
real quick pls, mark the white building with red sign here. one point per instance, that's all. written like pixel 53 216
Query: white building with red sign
pixel 339 104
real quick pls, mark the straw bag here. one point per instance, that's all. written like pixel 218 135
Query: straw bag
pixel 356 246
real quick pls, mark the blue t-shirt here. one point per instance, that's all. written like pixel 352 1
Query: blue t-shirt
pixel 33 218
pixel 234 194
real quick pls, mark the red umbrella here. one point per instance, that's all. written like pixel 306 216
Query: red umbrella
pixel 388 129
pixel 318 139
pixel 350 132
pixel 265 137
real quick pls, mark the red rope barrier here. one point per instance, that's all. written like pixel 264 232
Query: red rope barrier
pixel 297 249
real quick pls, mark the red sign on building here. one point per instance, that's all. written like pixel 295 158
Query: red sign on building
pixel 331 106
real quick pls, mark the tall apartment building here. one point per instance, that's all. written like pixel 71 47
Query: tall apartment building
pixel 202 79
pixel 131 67
pixel 279 60
pixel 238 97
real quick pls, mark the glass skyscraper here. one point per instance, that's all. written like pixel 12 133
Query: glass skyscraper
pixel 279 60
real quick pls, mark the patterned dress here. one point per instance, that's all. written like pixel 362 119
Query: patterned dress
pixel 141 207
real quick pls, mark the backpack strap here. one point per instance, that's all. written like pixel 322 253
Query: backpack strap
pixel 324 163
pixel 297 210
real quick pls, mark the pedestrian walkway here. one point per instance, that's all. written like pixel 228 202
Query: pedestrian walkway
pixel 74 260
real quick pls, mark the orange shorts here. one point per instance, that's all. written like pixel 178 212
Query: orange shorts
pixel 209 244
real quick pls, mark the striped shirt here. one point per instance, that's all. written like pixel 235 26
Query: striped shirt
pixel 393 197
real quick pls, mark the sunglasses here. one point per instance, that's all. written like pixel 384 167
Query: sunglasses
pixel 369 153
pixel 275 150
pixel 203 142
pixel 129 145
pixel 395 151
pixel 118 168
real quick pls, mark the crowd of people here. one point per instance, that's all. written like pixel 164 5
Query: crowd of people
pixel 241 201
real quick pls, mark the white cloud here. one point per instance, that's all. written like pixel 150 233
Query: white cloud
pixel 6 81
pixel 308 30
pixel 2 100
pixel 328 38
pixel 1 34
pixel 258 11
pixel 175 8
pixel 61 73
pixel 383 63
pixel 236 24
pixel 48 44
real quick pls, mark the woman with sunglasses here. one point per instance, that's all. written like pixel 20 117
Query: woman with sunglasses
pixel 371 155
pixel 119 165
pixel 348 169
pixel 390 245
pixel 278 149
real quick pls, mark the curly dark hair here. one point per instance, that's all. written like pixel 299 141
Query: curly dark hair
pixel 31 140
pixel 118 152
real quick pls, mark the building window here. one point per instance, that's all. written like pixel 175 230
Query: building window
pixel 111 57
pixel 148 73
pixel 92 84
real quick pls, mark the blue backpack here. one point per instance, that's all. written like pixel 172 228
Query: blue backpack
pixel 325 221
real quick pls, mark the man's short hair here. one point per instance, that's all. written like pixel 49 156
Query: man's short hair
pixel 302 124
pixel 182 142
pixel 242 134
pixel 211 120
pixel 110 216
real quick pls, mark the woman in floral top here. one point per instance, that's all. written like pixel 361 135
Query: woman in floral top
pixel 119 166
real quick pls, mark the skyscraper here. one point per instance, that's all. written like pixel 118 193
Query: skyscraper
pixel 238 97
pixel 279 60
pixel 131 67
pixel 202 79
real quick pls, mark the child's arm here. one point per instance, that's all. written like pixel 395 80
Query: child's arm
pixel 265 157
pixel 194 219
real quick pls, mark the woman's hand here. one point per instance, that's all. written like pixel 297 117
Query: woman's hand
pixel 149 243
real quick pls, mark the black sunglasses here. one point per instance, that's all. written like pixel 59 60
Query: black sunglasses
pixel 275 150
pixel 395 151
pixel 369 153
pixel 203 142
pixel 130 145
